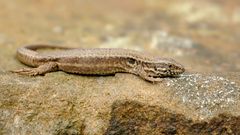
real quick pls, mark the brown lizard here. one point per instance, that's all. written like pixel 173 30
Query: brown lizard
pixel 96 61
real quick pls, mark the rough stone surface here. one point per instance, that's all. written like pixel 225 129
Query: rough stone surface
pixel 202 35
pixel 130 117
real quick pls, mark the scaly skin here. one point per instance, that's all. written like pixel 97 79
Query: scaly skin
pixel 96 61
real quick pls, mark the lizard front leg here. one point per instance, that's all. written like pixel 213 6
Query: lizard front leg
pixel 139 71
pixel 146 77
pixel 41 70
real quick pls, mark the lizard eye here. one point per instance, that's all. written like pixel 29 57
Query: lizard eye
pixel 155 68
pixel 131 62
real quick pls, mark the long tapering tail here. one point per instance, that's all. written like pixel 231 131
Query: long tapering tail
pixel 30 57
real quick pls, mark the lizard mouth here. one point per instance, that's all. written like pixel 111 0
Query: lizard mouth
pixel 175 73
pixel 172 74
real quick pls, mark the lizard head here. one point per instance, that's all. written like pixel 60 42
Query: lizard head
pixel 163 67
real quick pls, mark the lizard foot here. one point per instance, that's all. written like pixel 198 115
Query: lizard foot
pixel 41 70
pixel 27 71
pixel 153 80
pixel 149 78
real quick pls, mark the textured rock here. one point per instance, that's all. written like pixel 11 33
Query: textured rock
pixel 63 103
pixel 129 117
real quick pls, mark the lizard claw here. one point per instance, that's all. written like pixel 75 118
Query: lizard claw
pixel 26 71
pixel 153 80
pixel 40 70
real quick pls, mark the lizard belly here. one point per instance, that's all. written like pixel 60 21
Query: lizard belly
pixel 90 69
pixel 95 66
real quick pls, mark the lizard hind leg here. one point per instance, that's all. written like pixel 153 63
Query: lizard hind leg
pixel 40 70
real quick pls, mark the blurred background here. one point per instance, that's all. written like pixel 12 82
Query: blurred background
pixel 202 35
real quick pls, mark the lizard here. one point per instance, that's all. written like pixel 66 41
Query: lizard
pixel 96 61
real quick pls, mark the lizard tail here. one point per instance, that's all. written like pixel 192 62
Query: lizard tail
pixel 28 55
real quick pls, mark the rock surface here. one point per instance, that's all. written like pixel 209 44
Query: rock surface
pixel 202 35
pixel 130 117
